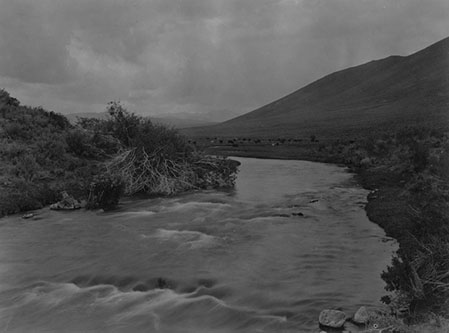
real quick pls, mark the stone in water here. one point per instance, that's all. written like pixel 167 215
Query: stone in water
pixel 332 318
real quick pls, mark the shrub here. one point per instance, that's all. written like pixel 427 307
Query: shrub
pixel 26 167
pixel 156 159
pixel 105 191
pixel 83 144
pixel 122 125
pixel 6 99
pixel 76 142
pixel 420 156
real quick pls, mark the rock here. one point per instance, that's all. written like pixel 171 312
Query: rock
pixel 332 318
pixel 353 328
pixel 313 200
pixel 366 162
pixel 234 163
pixel 298 214
pixel 361 316
pixel 28 216
pixel 67 203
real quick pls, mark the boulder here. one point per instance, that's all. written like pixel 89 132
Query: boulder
pixel 332 318
pixel 354 328
pixel 361 316
pixel 366 162
pixel 67 203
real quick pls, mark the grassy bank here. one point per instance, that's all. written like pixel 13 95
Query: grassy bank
pixel 42 155
pixel 408 175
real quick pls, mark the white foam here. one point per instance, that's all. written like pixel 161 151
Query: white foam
pixel 196 205
pixel 193 238
pixel 132 214
pixel 50 293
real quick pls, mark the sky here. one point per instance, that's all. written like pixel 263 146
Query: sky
pixel 200 59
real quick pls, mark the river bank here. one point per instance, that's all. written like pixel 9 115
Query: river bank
pixel 393 190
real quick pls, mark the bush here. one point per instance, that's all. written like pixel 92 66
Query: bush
pixel 26 167
pixel 122 125
pixel 7 100
pixel 105 191
pixel 76 142
pixel 41 155
pixel 420 156
pixel 157 160
pixel 83 144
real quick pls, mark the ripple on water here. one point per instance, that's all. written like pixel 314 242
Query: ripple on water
pixel 191 239
pixel 163 309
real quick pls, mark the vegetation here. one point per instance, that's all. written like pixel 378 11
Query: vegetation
pixel 105 191
pixel 36 162
pixel 42 155
pixel 384 322
pixel 157 160
pixel 409 173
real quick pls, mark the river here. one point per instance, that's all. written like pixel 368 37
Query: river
pixel 291 239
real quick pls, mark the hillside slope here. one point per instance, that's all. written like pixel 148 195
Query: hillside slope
pixel 384 93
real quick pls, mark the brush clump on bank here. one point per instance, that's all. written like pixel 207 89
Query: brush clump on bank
pixel 42 155
pixel 157 160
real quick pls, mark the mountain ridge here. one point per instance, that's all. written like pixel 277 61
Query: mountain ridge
pixel 396 90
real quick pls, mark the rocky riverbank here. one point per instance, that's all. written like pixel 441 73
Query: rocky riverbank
pixel 364 320
pixel 371 320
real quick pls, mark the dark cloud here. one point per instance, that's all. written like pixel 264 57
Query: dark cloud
pixel 208 59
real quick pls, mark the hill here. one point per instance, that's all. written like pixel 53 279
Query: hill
pixel 398 90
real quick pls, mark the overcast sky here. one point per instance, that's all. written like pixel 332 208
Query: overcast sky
pixel 210 59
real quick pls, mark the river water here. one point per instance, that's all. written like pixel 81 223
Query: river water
pixel 289 241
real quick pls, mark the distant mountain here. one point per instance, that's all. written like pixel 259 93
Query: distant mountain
pixel 171 122
pixel 181 122
pixel 73 117
pixel 398 90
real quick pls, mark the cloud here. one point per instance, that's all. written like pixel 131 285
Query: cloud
pixel 31 48
pixel 211 59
